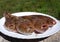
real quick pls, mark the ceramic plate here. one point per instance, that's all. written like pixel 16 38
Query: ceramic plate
pixel 49 32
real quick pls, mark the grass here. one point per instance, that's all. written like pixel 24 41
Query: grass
pixel 51 7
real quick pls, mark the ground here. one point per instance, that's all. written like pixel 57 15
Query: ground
pixel 51 7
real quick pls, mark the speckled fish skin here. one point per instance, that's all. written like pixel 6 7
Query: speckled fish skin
pixel 28 24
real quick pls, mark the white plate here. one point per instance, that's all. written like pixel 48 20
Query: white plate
pixel 49 32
